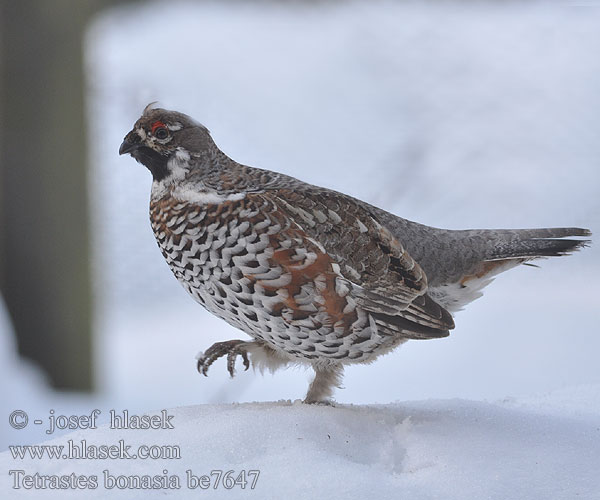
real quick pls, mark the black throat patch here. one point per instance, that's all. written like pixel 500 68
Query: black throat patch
pixel 153 161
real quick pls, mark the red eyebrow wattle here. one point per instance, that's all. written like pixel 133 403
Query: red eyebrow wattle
pixel 156 125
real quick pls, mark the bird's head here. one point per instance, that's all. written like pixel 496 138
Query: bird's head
pixel 161 135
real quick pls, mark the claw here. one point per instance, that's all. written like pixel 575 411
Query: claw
pixel 245 360
pixel 231 347
pixel 207 359
pixel 231 358
pixel 231 362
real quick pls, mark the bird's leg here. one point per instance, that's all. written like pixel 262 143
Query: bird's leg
pixel 232 348
pixel 321 388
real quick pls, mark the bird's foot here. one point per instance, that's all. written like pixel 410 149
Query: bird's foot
pixel 232 348
pixel 323 402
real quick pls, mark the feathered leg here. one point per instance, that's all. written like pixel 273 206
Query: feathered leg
pixel 326 379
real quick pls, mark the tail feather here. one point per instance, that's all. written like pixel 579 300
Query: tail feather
pixel 533 243
pixel 492 251
pixel 555 232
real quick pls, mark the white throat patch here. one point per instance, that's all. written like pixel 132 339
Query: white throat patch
pixel 202 195
pixel 177 167
pixel 197 193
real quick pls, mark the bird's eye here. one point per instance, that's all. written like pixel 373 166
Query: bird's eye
pixel 159 130
pixel 161 133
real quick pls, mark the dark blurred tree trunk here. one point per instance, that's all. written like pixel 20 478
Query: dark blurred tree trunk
pixel 44 245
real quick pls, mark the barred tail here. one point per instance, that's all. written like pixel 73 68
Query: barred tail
pixel 532 243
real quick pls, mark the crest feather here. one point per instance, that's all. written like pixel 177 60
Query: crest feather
pixel 149 107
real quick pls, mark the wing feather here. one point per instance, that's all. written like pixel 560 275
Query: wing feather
pixel 386 280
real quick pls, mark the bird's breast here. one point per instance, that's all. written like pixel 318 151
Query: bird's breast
pixel 246 262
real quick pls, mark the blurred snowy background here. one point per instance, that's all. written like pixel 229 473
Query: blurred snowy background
pixel 452 114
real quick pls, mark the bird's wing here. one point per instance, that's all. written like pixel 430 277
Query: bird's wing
pixel 385 279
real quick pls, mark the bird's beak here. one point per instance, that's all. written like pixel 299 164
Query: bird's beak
pixel 130 143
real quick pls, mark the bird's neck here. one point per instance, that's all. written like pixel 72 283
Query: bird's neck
pixel 209 176
pixel 213 175
pixel 216 171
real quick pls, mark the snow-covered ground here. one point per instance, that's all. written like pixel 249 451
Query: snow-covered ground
pixel 452 114
pixel 447 449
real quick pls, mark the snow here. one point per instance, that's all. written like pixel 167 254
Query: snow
pixel 451 449
pixel 485 116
